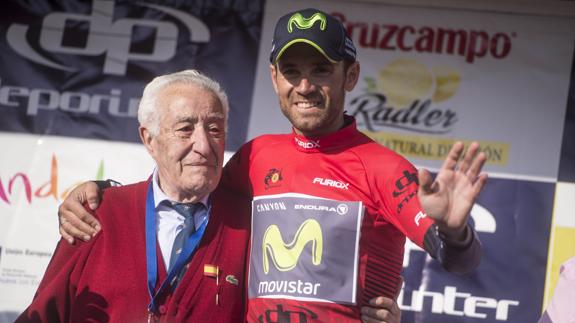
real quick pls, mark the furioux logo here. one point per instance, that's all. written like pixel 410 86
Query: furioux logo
pixel 285 256
pixel 307 144
pixel 331 183
pixel 306 23
pixel 106 36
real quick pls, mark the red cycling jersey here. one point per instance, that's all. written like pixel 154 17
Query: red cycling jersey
pixel 342 166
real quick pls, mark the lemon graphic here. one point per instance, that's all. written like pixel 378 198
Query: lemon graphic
pixel 404 81
pixel 447 82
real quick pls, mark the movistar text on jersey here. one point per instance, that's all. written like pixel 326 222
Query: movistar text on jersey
pixel 295 287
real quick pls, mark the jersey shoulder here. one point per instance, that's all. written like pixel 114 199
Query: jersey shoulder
pixel 270 139
pixel 379 158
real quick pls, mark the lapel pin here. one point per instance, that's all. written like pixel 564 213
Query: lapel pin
pixel 213 271
pixel 232 279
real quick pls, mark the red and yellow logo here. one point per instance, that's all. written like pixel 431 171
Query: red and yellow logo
pixel 273 178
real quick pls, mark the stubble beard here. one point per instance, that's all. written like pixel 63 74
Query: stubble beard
pixel 312 124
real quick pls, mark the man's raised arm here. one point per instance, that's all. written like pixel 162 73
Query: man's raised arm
pixel 449 197
pixel 448 200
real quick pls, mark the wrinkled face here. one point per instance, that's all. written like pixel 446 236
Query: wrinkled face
pixel 189 148
pixel 311 89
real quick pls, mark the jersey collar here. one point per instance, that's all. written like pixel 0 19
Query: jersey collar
pixel 344 137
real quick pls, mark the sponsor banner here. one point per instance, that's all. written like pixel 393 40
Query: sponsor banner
pixel 442 76
pixel 78 68
pixel 510 220
pixel 36 174
pixel 562 242
pixel 420 147
pixel 304 248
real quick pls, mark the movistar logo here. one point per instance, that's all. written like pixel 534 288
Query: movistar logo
pixel 305 23
pixel 285 256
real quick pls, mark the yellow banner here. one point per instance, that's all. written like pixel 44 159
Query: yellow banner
pixel 431 148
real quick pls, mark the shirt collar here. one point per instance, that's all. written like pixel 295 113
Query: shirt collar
pixel 344 137
pixel 160 196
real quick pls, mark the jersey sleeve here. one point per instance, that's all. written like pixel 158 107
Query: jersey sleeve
pixel 397 188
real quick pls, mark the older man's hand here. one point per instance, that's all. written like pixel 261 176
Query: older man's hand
pixel 75 220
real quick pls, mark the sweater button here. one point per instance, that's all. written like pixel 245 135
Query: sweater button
pixel 162 309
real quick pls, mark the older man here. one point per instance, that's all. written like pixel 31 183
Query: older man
pixel 173 248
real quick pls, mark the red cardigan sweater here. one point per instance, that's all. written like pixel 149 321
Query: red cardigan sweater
pixel 105 279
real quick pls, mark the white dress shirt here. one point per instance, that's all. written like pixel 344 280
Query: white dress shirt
pixel 169 222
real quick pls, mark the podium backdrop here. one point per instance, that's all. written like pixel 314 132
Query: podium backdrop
pixel 71 76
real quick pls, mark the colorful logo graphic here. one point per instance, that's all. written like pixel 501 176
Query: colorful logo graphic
pixel 410 96
pixel 306 23
pixel 310 241
pixel 285 256
pixel 404 95
pixel 273 178
pixel 9 187
pixel 406 80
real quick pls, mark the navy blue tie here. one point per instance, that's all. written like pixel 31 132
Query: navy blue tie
pixel 187 210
